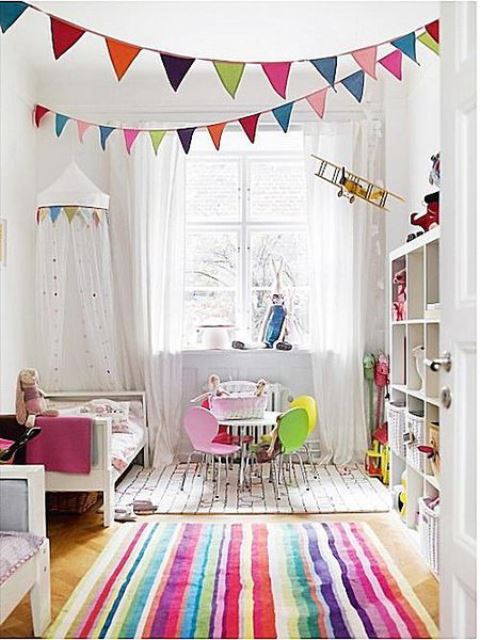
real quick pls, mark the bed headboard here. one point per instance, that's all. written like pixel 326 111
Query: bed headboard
pixel 86 396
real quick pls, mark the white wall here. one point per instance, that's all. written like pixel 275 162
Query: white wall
pixel 17 206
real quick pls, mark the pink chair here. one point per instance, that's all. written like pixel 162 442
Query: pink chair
pixel 202 427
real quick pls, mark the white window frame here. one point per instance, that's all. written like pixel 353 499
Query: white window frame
pixel 244 227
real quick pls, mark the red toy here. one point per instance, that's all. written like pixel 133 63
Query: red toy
pixel 431 217
pixel 400 302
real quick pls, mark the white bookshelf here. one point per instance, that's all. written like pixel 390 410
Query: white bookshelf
pixel 420 258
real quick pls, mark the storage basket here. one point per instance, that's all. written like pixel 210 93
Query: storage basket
pixel 238 407
pixel 428 529
pixel 240 387
pixel 396 427
pixel 416 429
pixel 71 502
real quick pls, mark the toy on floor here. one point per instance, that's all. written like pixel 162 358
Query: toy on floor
pixel 399 306
pixel 402 498
pixel 30 399
pixel 368 366
pixel 376 458
pixel 353 186
pixel 380 374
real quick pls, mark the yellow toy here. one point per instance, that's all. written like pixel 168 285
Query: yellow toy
pixel 376 458
pixel 402 498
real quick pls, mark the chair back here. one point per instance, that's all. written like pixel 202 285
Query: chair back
pixel 201 427
pixel 308 403
pixel 293 429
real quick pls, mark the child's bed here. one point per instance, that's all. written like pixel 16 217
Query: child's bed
pixel 114 446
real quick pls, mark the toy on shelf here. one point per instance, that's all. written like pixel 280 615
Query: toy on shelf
pixel 433 448
pixel 376 459
pixel 353 186
pixel 400 292
pixel 418 353
pixel 431 217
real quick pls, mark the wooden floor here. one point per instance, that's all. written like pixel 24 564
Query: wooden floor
pixel 76 541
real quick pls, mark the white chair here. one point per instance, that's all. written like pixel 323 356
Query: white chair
pixel 24 547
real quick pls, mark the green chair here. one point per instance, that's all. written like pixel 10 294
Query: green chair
pixel 308 403
pixel 293 430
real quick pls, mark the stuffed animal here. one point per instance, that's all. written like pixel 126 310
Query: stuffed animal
pixel 400 302
pixel 30 400
pixel 214 389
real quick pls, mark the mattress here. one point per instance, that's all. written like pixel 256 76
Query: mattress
pixel 128 430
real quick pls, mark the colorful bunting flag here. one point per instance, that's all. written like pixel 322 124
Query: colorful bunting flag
pixel 230 74
pixel 104 133
pixel 282 115
pixel 433 28
pixel 367 60
pixel 185 136
pixel 70 212
pixel 82 127
pixel 122 55
pixel 54 213
pixel 216 131
pixel 64 36
pixel 96 217
pixel 130 136
pixel 317 101
pixel 38 113
pixel 249 125
pixel 60 122
pixel 277 73
pixel 406 44
pixel 355 84
pixel 42 213
pixel 156 137
pixel 393 63
pixel 327 67
pixel 10 12
pixel 176 68
pixel 426 39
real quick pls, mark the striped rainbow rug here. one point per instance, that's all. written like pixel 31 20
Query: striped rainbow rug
pixel 184 580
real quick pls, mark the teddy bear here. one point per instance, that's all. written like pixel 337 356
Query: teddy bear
pixel 30 400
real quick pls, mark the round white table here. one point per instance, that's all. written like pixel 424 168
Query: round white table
pixel 254 427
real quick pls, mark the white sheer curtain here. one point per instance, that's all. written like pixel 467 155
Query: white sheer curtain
pixel 147 229
pixel 347 281
pixel 77 345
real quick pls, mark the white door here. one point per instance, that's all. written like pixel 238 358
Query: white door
pixel 458 423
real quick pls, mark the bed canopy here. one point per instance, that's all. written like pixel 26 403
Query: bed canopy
pixel 73 188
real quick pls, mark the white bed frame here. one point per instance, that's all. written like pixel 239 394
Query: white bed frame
pixel 103 475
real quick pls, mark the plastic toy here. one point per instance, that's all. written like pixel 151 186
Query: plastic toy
pixel 431 218
pixel 402 498
pixel 353 186
pixel 376 458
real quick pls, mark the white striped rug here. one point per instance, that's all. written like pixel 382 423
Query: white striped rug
pixel 335 490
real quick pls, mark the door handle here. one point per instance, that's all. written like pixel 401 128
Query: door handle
pixel 445 361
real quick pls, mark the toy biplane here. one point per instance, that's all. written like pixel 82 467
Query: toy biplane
pixel 352 186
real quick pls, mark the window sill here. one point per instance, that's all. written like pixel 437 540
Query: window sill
pixel 226 352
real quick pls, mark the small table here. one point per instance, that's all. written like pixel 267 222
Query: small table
pixel 255 427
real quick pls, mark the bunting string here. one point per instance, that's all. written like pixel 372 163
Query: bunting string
pixel 89 215
pixel 65 34
pixel 353 83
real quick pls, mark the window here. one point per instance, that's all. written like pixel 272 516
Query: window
pixel 244 207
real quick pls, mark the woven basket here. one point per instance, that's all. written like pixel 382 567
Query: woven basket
pixel 428 528
pixel 71 502
pixel 238 407
pixel 416 427
pixel 396 428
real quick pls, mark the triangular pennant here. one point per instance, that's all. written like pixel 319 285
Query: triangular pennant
pixel 10 12
pixel 82 127
pixel 355 84
pixel 64 36
pixel 43 213
pixel 426 39
pixel 277 73
pixel 406 44
pixel 230 73
pixel 282 115
pixel 86 214
pixel 366 59
pixel 122 55
pixel 39 113
pixel 393 63
pixel 327 67
pixel 130 136
pixel 54 213
pixel 249 125
pixel 70 212
pixel 96 217
pixel 156 137
pixel 185 136
pixel 176 68
pixel 60 122
pixel 104 133
pixel 216 131
pixel 317 101
pixel 433 28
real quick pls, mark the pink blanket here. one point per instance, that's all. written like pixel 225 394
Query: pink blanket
pixel 65 444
